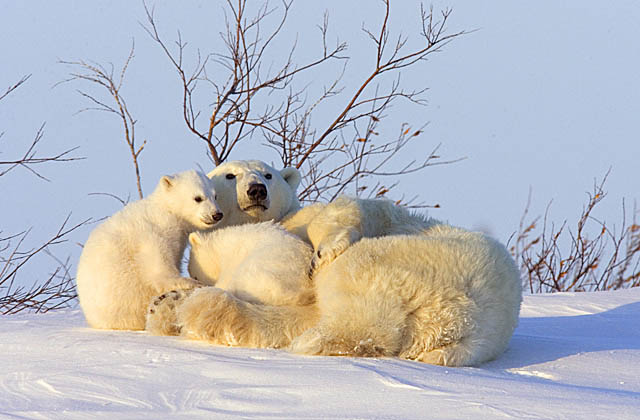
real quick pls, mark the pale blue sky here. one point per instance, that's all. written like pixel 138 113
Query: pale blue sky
pixel 544 95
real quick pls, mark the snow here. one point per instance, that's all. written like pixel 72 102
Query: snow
pixel 510 96
pixel 574 355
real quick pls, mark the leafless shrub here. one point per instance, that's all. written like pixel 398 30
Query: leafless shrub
pixel 55 292
pixel 111 81
pixel 30 157
pixel 598 257
pixel 346 154
pixel 58 289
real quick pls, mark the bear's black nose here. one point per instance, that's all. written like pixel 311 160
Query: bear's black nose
pixel 257 192
pixel 217 216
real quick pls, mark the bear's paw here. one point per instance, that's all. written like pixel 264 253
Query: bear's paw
pixel 161 313
pixel 331 248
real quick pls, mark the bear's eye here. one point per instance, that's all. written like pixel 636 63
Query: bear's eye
pixel 268 176
pixel 198 199
pixel 230 176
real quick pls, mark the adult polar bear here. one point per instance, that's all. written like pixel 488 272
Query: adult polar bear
pixel 251 191
pixel 135 254
pixel 437 294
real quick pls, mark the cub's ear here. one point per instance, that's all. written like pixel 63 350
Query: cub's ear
pixel 195 239
pixel 166 181
pixel 292 176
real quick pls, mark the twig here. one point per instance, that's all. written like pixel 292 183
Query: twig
pixel 101 76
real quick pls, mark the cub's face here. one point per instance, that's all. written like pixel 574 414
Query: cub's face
pixel 191 195
pixel 250 191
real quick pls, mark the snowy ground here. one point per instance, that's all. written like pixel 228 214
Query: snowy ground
pixel 574 356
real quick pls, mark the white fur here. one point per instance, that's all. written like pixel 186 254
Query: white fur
pixel 136 253
pixel 260 263
pixel 280 201
pixel 448 297
pixel 332 228
pixel 421 290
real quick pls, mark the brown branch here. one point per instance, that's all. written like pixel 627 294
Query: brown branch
pixel 14 86
pixel 232 109
pixel 99 75
pixel 31 157
pixel 597 257
pixel 434 37
pixel 54 292
pixel 352 151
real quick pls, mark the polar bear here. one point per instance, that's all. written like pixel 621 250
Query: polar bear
pixel 136 254
pixel 332 228
pixel 259 263
pixel 250 191
pixel 447 296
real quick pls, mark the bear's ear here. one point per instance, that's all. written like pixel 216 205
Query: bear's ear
pixel 292 176
pixel 166 181
pixel 195 239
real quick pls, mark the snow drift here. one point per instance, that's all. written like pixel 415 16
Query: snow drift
pixel 574 355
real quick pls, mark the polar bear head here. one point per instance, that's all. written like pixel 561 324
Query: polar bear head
pixel 191 196
pixel 250 191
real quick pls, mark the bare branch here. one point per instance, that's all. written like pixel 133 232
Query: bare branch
pixel 232 117
pixel 434 34
pixel 597 257
pixel 56 291
pixel 115 197
pixel 247 95
pixel 31 158
pixel 97 74
pixel 14 86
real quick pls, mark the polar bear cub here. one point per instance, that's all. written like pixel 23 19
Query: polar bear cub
pixel 259 263
pixel 331 228
pixel 136 254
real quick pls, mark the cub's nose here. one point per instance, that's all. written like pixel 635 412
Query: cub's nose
pixel 257 192
pixel 217 216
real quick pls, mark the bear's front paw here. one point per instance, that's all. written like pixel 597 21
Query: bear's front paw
pixel 161 313
pixel 329 250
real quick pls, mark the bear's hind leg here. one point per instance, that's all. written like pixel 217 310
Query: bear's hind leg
pixel 214 315
pixel 457 354
pixel 320 341
pixel 443 332
pixel 360 326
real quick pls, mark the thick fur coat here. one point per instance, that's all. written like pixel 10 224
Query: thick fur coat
pixel 136 254
pixel 426 291
pixel 259 263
